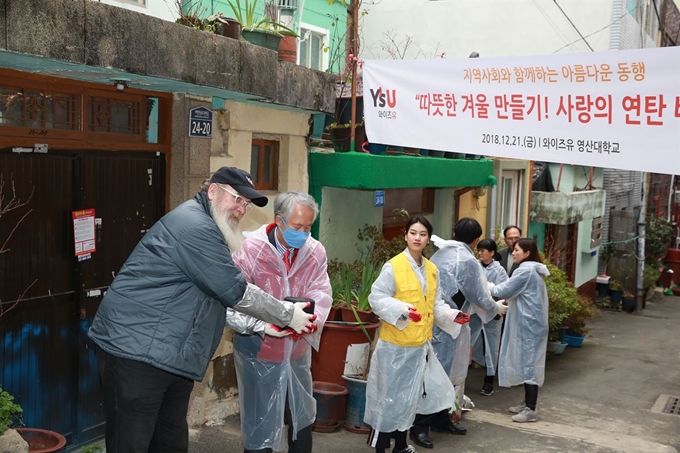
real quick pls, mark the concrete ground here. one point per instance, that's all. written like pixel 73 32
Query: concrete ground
pixel 596 399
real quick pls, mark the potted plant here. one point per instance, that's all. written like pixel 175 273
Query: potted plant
pixel 628 303
pixel 562 301
pixel 575 323
pixel 225 26
pixel 615 291
pixel 263 31
pixel 41 440
pixel 341 136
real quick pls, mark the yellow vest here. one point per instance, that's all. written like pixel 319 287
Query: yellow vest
pixel 410 291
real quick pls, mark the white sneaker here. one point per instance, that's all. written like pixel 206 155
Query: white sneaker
pixel 517 409
pixel 527 415
pixel 408 449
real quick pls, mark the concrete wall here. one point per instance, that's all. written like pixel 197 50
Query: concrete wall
pixel 162 9
pixel 469 205
pixel 238 124
pixel 343 213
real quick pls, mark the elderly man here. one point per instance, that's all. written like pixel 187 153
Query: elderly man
pixel 463 281
pixel 163 316
pixel 273 366
pixel 511 235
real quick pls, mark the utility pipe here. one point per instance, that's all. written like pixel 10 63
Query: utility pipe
pixel 355 53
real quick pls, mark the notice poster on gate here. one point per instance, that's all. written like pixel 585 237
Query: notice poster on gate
pixel 618 109
pixel 84 233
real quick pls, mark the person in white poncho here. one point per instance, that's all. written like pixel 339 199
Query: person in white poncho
pixel 405 377
pixel 525 338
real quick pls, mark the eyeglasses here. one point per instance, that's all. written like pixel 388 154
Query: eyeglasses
pixel 238 199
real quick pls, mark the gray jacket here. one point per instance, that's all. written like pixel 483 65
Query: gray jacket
pixel 166 307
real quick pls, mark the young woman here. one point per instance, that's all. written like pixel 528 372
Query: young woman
pixel 405 377
pixel 486 338
pixel 525 337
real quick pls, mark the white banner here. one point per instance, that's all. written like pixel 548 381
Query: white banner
pixel 618 109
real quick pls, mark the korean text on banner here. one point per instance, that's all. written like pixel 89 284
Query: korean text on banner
pixel 618 109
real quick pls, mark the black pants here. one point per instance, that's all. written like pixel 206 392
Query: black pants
pixel 146 408
pixel 303 443
pixel 530 396
pixel 382 440
pixel 422 422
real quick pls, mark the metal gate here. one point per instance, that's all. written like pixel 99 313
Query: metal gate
pixel 47 362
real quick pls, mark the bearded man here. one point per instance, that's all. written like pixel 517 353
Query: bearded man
pixel 162 318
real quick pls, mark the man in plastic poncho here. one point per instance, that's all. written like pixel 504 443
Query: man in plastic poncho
pixel 163 316
pixel 273 366
pixel 459 272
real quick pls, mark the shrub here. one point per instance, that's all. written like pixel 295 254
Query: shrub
pixel 562 299
pixel 576 321
pixel 10 412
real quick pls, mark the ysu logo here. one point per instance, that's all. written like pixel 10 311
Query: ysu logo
pixel 384 97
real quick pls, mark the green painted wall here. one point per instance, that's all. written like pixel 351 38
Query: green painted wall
pixel 368 171
pixel 313 12
pixel 586 259
pixel 538 230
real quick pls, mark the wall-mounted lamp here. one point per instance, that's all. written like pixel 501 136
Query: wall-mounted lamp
pixel 120 83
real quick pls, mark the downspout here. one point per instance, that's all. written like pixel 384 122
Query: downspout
pixel 641 246
pixel 492 220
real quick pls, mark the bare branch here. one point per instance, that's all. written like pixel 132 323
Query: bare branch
pixel 16 302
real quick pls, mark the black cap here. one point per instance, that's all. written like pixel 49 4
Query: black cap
pixel 241 182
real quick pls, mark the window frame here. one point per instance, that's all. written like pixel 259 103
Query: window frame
pixel 325 34
pixel 273 164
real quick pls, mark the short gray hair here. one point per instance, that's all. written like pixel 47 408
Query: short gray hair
pixel 286 201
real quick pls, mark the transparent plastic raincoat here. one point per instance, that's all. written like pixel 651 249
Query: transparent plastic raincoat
pixel 492 329
pixel 403 381
pixel 459 270
pixel 525 337
pixel 270 368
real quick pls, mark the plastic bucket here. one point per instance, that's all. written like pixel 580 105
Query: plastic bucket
pixel 673 262
pixel 330 404
pixel 356 405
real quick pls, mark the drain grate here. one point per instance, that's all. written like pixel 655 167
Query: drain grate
pixel 672 406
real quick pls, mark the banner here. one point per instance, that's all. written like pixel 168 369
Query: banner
pixel 618 109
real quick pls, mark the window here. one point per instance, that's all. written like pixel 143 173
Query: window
pixel 510 186
pixel 311 44
pixel 264 164
pixel 39 109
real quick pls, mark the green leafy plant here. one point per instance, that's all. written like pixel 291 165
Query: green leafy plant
pixel 369 274
pixel 577 320
pixel 607 251
pixel 92 448
pixel 658 235
pixel 245 14
pixel 562 299
pixel 10 412
pixel 615 285
pixel 651 275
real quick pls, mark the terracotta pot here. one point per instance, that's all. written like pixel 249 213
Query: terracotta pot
pixel 330 405
pixel 347 315
pixel 42 440
pixel 288 48
pixel 328 363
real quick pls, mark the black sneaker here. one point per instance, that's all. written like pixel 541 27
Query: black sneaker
pixel 487 389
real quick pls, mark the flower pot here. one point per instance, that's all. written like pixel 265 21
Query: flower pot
pixel 231 28
pixel 560 349
pixel 377 148
pixel 356 405
pixel 344 109
pixel 262 38
pixel 328 363
pixel 666 279
pixel 330 406
pixel 366 316
pixel 628 304
pixel 435 153
pixel 288 48
pixel 615 296
pixel 340 136
pixel 574 341
pixel 553 345
pixel 42 440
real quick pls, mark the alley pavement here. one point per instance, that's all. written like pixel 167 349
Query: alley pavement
pixel 605 397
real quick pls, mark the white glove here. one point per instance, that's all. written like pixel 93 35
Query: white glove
pixel 275 331
pixel 501 308
pixel 302 322
pixel 489 285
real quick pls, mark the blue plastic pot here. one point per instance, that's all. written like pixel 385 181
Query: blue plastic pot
pixel 560 349
pixel 574 341
pixel 377 148
pixel 356 405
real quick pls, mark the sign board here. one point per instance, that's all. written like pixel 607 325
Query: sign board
pixel 618 109
pixel 84 232
pixel 379 198
pixel 200 122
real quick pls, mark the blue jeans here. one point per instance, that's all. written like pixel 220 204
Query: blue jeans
pixel 146 408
